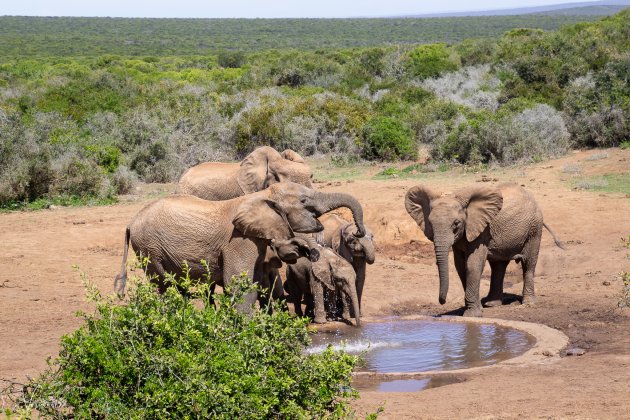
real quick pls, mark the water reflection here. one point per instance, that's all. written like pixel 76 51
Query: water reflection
pixel 422 345
pixel 402 385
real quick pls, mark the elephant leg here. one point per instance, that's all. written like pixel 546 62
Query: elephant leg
pixel 264 296
pixel 460 265
pixel 475 261
pixel 495 295
pixel 296 295
pixel 277 289
pixel 317 290
pixel 157 275
pixel 528 263
pixel 241 255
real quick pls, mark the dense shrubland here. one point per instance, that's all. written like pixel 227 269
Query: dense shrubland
pixel 71 36
pixel 89 126
pixel 176 356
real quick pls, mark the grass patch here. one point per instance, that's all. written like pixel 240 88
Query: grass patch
pixel 61 201
pixel 625 145
pixel 572 169
pixel 613 183
pixel 417 170
pixel 597 156
pixel 340 173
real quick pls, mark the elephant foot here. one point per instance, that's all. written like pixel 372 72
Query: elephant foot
pixel 491 303
pixel 473 312
pixel 529 300
pixel 319 320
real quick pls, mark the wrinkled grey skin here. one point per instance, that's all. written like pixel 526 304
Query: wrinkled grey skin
pixel 338 235
pixel 331 275
pixel 263 167
pixel 280 251
pixel 495 223
pixel 232 236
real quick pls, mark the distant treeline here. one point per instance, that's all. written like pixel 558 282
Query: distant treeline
pixel 73 36
pixel 89 126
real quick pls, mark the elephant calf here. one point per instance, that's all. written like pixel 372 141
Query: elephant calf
pixel 312 280
pixel 495 223
pixel 338 234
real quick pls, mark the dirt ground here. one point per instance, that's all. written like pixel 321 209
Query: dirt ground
pixel 578 289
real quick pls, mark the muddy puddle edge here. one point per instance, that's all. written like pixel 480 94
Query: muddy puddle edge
pixel 546 348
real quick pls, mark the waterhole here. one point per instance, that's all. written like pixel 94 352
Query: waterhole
pixel 423 345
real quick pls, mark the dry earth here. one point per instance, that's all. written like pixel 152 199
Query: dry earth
pixel 578 289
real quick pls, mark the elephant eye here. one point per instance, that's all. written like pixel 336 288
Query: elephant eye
pixel 457 224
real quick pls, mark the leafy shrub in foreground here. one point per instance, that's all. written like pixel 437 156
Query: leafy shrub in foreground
pixel 176 356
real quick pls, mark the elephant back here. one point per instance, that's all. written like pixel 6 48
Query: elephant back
pixel 211 181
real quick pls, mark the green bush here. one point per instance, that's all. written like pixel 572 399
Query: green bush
pixel 430 61
pixel 231 59
pixel 176 356
pixel 387 139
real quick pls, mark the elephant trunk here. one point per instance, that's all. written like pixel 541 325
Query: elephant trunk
pixel 368 249
pixel 325 202
pixel 355 305
pixel 441 256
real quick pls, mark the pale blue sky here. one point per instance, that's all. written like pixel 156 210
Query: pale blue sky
pixel 254 8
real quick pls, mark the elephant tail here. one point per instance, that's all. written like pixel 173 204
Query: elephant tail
pixel 553 235
pixel 120 282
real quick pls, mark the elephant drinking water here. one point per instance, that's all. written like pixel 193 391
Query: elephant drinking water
pixel 232 236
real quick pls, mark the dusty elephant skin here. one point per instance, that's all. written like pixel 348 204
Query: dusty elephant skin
pixel 260 169
pixel 231 236
pixel 312 279
pixel 338 234
pixel 288 251
pixel 498 224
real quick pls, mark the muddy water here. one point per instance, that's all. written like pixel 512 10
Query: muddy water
pixel 425 345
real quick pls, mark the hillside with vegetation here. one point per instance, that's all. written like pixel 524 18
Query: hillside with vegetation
pixel 22 36
pixel 84 126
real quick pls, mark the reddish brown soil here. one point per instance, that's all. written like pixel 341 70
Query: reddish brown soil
pixel 578 289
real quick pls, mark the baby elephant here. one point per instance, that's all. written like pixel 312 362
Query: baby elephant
pixel 280 251
pixel 331 273
pixel 494 223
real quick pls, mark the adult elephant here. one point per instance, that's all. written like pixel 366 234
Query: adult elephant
pixel 231 236
pixel 495 223
pixel 338 235
pixel 263 167
pixel 313 279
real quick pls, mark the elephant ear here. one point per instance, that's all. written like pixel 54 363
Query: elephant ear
pixel 336 240
pixel 260 218
pixel 418 205
pixel 292 155
pixel 482 204
pixel 322 272
pixel 253 171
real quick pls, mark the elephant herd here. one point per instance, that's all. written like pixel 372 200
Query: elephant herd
pixel 226 220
